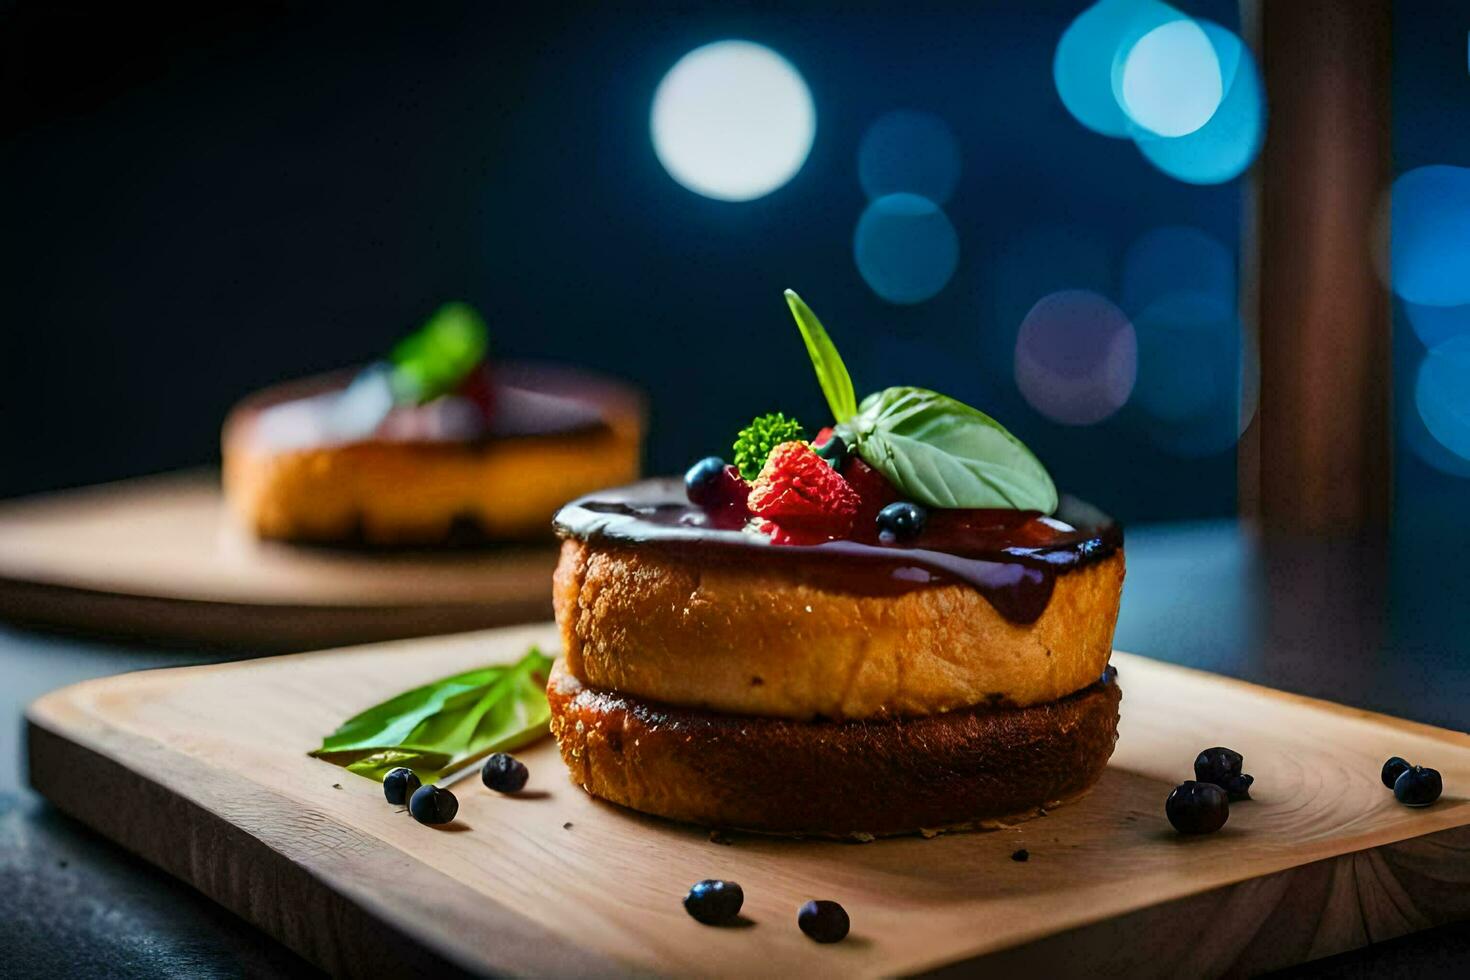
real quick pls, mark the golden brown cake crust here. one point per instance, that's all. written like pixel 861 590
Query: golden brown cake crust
pixel 833 778
pixel 763 638
pixel 424 493
pixel 383 493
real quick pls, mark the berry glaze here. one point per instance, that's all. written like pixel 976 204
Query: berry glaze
pixel 1011 557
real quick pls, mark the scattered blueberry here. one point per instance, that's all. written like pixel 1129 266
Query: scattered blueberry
pixel 504 773
pixel 824 921
pixel 902 520
pixel 1197 808
pixel 1221 766
pixel 702 481
pixel 714 902
pixel 432 805
pixel 834 451
pixel 1393 769
pixel 1021 855
pixel 399 785
pixel 1417 786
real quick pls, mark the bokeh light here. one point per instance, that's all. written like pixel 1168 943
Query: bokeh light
pixel 732 120
pixel 1198 377
pixel 1435 324
pixel 1429 249
pixel 1171 82
pixel 906 248
pixel 1424 446
pixel 909 151
pixel 1185 90
pixel 1229 142
pixel 1086 55
pixel 1179 380
pixel 1038 260
pixel 1176 258
pixel 1076 357
pixel 1427 449
pixel 1442 394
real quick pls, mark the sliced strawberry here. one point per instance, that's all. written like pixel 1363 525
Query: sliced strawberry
pixel 798 491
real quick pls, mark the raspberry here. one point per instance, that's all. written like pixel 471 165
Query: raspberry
pixel 798 491
pixel 873 490
pixel 479 387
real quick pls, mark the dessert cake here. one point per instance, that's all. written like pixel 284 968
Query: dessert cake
pixel 895 627
pixel 438 445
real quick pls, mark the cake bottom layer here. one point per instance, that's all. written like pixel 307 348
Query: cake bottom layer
pixel 834 778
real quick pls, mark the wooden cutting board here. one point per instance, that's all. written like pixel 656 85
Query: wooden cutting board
pixel 158 559
pixel 203 771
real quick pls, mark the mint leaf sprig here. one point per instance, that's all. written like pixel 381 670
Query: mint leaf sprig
pixel 434 359
pixel 936 450
pixel 831 372
pixel 446 724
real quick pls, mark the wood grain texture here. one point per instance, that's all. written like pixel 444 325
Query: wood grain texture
pixel 203 771
pixel 158 559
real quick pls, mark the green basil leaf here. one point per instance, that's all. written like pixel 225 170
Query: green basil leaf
pixel 391 722
pixel 435 359
pixel 379 764
pixel 448 723
pixel 831 372
pixel 942 453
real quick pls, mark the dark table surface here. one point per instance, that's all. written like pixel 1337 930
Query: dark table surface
pixel 1349 622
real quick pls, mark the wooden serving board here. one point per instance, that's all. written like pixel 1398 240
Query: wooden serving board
pixel 158 559
pixel 203 771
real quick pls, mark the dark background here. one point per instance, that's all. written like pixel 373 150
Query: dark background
pixel 198 201
pixel 201 202
pixel 1431 94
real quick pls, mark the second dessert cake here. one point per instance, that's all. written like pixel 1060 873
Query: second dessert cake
pixel 895 627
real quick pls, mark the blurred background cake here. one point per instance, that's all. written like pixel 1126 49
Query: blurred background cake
pixel 438 444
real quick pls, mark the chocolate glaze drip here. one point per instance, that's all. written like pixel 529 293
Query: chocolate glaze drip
pixel 1011 557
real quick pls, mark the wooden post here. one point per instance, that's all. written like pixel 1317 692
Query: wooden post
pixel 1318 457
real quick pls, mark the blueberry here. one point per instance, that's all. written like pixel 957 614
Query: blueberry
pixel 714 902
pixel 902 520
pixel 1221 766
pixel 824 921
pixel 702 481
pixel 504 773
pixel 432 805
pixel 1197 808
pixel 399 785
pixel 834 451
pixel 1393 769
pixel 1417 786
